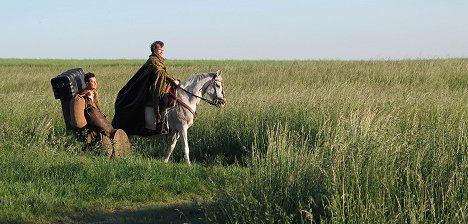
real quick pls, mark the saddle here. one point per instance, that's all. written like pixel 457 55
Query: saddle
pixel 169 96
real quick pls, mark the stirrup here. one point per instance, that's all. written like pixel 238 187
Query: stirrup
pixel 161 128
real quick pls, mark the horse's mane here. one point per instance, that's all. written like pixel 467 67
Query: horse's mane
pixel 196 78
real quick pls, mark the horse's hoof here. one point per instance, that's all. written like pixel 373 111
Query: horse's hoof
pixel 106 143
pixel 121 144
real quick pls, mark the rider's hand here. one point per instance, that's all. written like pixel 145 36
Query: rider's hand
pixel 177 82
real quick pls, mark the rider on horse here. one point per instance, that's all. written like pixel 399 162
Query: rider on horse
pixel 156 65
pixel 146 87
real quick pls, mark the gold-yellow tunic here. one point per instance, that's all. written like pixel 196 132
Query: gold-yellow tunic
pixel 156 65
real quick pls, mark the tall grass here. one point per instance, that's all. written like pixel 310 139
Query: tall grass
pixel 353 174
pixel 381 142
pixel 284 184
pixel 329 141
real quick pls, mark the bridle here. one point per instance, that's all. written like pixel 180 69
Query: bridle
pixel 217 102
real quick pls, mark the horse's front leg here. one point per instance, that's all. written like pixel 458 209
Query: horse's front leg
pixel 185 143
pixel 175 137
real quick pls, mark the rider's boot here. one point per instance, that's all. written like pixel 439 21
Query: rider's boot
pixel 162 126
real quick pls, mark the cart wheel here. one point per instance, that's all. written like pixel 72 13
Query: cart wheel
pixel 107 145
pixel 121 144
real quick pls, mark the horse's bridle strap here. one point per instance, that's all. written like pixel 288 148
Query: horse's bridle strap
pixel 206 100
pixel 192 94
pixel 187 107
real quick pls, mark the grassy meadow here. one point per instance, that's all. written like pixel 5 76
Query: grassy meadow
pixel 298 142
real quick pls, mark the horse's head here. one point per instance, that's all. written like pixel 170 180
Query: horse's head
pixel 216 90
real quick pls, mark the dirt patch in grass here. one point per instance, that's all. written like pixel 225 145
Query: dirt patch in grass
pixel 179 212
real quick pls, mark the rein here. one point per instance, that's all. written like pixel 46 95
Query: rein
pixel 190 93
pixel 211 102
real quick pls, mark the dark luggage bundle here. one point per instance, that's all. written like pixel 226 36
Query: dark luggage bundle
pixel 65 86
pixel 69 83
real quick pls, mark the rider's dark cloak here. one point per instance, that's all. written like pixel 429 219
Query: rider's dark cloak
pixel 131 101
pixel 133 97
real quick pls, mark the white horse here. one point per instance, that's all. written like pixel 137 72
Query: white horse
pixel 183 114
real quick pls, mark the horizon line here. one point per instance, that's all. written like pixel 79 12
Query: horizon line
pixel 230 59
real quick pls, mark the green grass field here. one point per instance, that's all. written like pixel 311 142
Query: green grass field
pixel 298 142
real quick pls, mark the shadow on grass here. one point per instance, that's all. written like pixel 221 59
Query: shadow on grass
pixel 183 212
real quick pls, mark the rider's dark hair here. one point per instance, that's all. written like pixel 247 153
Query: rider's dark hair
pixel 155 44
pixel 88 75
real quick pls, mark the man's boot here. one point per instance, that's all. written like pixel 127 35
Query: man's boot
pixel 162 126
pixel 97 121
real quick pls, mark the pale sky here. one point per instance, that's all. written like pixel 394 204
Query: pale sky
pixel 240 29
